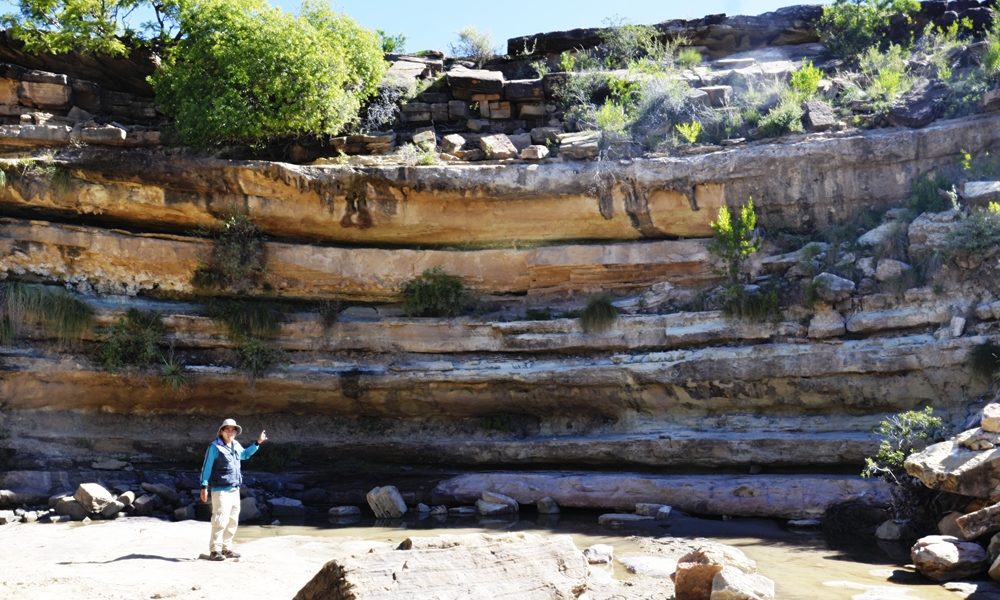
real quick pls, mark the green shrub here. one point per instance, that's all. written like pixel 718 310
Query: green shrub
pixel 391 44
pixel 599 314
pixel 688 58
pixel 434 293
pixel 991 60
pixel 611 118
pixel 805 79
pixel 228 80
pixel 474 44
pixel 977 234
pixel 255 357
pixel 622 44
pixel 689 131
pixel 237 261
pixel 246 319
pixel 784 118
pixel 900 436
pixel 735 239
pixel 926 193
pixel 133 341
pixel 985 360
pixel 848 27
pixel 884 76
pixel 174 372
pixel 567 61
pixel 60 314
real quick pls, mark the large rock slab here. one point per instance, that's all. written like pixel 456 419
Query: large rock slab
pixel 457 567
pixel 787 496
pixel 951 467
pixel 93 497
pixel 386 502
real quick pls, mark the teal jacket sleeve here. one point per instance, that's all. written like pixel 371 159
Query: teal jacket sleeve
pixel 249 451
pixel 206 467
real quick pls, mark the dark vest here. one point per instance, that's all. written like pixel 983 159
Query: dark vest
pixel 226 469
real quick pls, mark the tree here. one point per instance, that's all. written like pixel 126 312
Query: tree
pixel 95 26
pixel 243 72
pixel 735 239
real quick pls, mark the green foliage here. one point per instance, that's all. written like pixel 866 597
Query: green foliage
pixel 391 44
pixel 60 314
pixel 624 91
pixel 133 341
pixel 255 357
pixel 86 26
pixel 848 27
pixel 567 61
pixel 247 319
pixel 540 67
pixel 612 118
pixel 900 436
pixel 434 293
pixel 474 44
pixel 237 261
pixel 985 360
pixel 784 118
pixel 991 60
pixel 884 76
pixel 926 193
pixel 174 372
pixel 735 239
pixel 599 314
pixel 622 44
pixel 689 131
pixel 977 234
pixel 228 81
pixel 688 58
pixel 805 80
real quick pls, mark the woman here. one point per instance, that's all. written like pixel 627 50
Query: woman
pixel 221 474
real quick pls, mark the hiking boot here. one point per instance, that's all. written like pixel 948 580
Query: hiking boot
pixel 230 554
pixel 216 556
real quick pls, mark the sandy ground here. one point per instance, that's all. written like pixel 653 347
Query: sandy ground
pixel 148 558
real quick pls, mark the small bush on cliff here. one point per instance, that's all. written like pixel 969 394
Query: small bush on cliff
pixel 133 341
pixel 237 260
pixel 735 239
pixel 474 44
pixel 60 314
pixel 977 236
pixel 434 293
pixel 805 80
pixel 228 80
pixel 599 314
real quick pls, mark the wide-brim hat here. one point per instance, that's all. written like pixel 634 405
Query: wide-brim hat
pixel 230 423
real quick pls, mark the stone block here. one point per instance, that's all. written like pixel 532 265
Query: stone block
pixel 545 135
pixel 991 417
pixel 497 147
pixel 524 89
pixel 344 511
pixel 112 509
pixel 45 95
pixel 68 506
pixel 167 493
pixel 106 135
pixel 832 288
pixel 718 95
pixel 534 152
pixel 547 506
pixel 946 558
pixel 733 584
pixel 826 324
pixel 286 507
pixel 481 98
pixel 8 91
pixel 477 125
pixel 500 109
pixel 531 110
pixel 249 511
pixel 452 143
pixel 145 504
pixel 498 498
pixel 599 554
pixel 990 101
pixel 93 497
pixel 819 115
pixel 186 513
pixel 466 82
pixel 425 139
pixel 698 97
pixel 440 112
pixel 34 135
pixel 458 109
pixel 981 193
pixel 620 519
pixel 520 140
pixel 581 145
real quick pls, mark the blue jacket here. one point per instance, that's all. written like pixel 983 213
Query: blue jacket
pixel 221 469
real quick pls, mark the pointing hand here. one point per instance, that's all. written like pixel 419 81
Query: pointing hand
pixel 262 438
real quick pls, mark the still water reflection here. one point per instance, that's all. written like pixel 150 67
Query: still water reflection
pixel 803 564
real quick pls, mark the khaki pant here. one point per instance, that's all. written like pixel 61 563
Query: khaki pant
pixel 225 518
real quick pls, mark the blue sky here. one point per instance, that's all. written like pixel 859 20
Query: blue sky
pixel 433 24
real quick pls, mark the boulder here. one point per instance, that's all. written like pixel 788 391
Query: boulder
pixel 882 235
pixel 547 506
pixel 981 193
pixel 920 106
pixel 127 497
pixel 107 135
pixel 425 139
pixel 888 269
pixel 167 493
pixel 819 115
pixel 452 143
pixel 945 558
pixel 524 89
pixel 187 513
pixel 145 504
pixel 491 509
pixel 929 232
pixel 249 511
pixel 286 507
pixel 112 509
pixel 991 418
pixel 344 511
pixel 947 525
pixel 386 502
pixel 657 567
pixel 718 95
pixel 993 549
pixel 826 323
pixel 93 497
pixel 833 288
pixel 68 506
pixel 545 135
pixel 498 498
pixel 697 569
pixel 891 530
pixel 647 509
pixel 733 584
pixel 513 565
pixel 990 101
pixel 599 554
pixel 466 82
pixel 7 517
